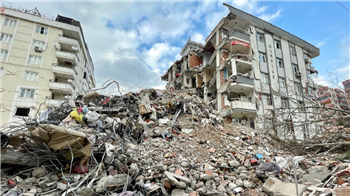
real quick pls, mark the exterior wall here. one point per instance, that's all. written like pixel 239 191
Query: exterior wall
pixel 195 60
pixel 20 48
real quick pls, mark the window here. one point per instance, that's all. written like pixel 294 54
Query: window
pixel 301 106
pixel 3 54
pixel 298 89
pixel 279 63
pixel 22 111
pixel 284 103
pixel 261 38
pixel 282 82
pixel 311 91
pixel 84 76
pixel 10 22
pixel 262 57
pixel 277 44
pixel 265 78
pixel 28 75
pixel 292 50
pixel 295 69
pixel 34 60
pixel 5 37
pixel 27 93
pixel 39 44
pixel 41 30
pixel 266 99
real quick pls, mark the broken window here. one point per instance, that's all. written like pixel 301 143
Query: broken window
pixel 295 69
pixel 301 106
pixel 265 78
pixel 187 81
pixel 279 63
pixel 27 93
pixel 41 30
pixel 289 125
pixel 262 57
pixel 277 44
pixel 260 37
pixel 22 112
pixel 266 99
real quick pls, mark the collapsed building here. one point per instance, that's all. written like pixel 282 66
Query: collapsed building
pixel 250 69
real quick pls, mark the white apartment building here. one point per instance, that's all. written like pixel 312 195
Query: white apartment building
pixel 43 61
pixel 255 72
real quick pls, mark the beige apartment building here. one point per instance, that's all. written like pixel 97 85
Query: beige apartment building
pixel 43 61
pixel 254 73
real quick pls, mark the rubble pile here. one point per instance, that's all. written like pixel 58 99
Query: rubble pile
pixel 155 143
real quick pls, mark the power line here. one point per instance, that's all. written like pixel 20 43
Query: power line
pixel 343 6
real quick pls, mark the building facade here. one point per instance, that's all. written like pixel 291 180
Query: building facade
pixel 43 61
pixel 256 73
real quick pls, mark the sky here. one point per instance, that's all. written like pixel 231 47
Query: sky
pixel 135 42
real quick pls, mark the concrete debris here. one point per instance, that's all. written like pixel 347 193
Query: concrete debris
pixel 157 143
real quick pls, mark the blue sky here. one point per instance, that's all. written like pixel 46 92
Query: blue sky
pixel 128 39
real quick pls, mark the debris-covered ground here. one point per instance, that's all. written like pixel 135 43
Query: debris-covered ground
pixel 160 143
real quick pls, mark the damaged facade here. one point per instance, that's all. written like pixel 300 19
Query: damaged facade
pixel 252 70
pixel 43 60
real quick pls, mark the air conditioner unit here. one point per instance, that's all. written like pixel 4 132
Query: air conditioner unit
pixel 298 74
pixel 38 49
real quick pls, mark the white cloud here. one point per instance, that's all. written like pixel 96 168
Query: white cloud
pixel 160 56
pixel 320 44
pixel 270 17
pixel 198 37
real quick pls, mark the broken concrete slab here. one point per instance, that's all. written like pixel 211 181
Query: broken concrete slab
pixel 316 174
pixel 275 187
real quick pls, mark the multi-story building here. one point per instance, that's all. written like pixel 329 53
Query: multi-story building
pixel 43 60
pixel 346 85
pixel 257 74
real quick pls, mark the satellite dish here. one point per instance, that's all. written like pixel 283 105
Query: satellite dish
pixel 75 48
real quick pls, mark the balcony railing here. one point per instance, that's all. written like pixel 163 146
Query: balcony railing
pixel 63 86
pixel 64 69
pixel 54 101
pixel 242 80
pixel 66 40
pixel 67 56
pixel 243 103
pixel 236 32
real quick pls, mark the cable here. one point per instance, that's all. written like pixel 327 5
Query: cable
pixel 343 6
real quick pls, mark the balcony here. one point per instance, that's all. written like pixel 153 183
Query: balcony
pixel 310 82
pixel 323 89
pixel 239 107
pixel 55 102
pixel 236 33
pixel 63 71
pixel 68 43
pixel 245 80
pixel 61 87
pixel 64 56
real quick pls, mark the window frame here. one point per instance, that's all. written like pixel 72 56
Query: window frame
pixel 27 93
pixel 30 76
pixel 4 37
pixel 266 79
pixel 292 50
pixel 284 103
pixel 277 42
pixel 260 37
pixel 282 81
pixel 38 43
pixel 41 30
pixel 281 62
pixel 16 114
pixel 266 99
pixel 298 88
pixel 37 59
pixel 3 54
pixel 262 56
pixel 10 22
